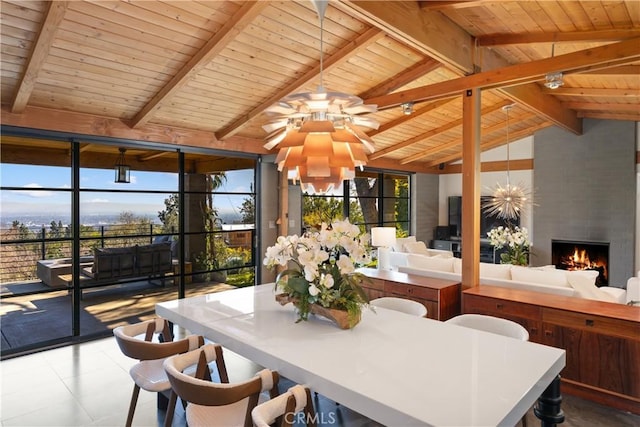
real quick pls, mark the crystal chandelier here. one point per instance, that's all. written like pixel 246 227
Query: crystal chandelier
pixel 507 202
pixel 317 133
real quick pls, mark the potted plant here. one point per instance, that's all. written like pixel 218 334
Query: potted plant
pixel 516 242
pixel 319 273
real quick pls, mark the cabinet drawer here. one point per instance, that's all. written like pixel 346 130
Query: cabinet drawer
pixel 373 293
pixel 587 322
pixel 476 304
pixel 411 291
pixel 370 283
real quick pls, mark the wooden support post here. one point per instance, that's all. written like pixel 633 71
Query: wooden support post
pixel 470 188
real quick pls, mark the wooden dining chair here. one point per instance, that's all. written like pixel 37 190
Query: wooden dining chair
pixel 403 305
pixel 151 342
pixel 210 403
pixel 293 407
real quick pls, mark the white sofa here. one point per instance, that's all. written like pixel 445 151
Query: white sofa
pixel 633 290
pixel 442 265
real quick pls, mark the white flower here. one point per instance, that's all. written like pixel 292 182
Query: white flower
pixel 327 281
pixel 501 237
pixel 317 259
pixel 313 290
pixel 345 264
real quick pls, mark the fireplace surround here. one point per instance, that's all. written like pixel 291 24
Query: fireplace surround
pixel 582 255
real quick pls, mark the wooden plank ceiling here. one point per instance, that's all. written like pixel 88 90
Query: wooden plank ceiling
pixel 201 73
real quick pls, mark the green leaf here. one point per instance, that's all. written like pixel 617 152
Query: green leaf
pixel 298 284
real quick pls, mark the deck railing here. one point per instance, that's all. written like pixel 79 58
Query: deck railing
pixel 22 247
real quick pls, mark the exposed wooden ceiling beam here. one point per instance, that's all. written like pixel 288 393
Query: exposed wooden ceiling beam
pixel 610 116
pixel 234 26
pixel 497 166
pixel 151 156
pixel 362 42
pixel 38 55
pixel 530 96
pixel 453 124
pixel 553 37
pixel 487 145
pixel 392 164
pixel 405 77
pixel 629 70
pixel 611 55
pixel 426 31
pixel 593 93
pixel 608 107
pixel 406 118
pixel 451 4
pixel 87 124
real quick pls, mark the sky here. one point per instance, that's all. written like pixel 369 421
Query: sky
pixel 36 195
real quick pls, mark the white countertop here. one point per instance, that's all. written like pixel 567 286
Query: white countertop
pixel 394 368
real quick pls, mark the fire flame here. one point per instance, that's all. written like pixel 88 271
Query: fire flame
pixel 581 257
pixel 580 261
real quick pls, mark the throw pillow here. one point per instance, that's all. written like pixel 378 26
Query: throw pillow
pixel 416 248
pixel 495 271
pixel 585 285
pixel 401 241
pixel 544 277
pixel 442 253
pixel 435 263
pixel 457 265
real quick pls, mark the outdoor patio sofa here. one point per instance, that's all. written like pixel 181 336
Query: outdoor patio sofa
pixel 152 260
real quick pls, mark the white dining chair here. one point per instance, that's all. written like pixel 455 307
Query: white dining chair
pixel 293 407
pixel 494 325
pixel 400 304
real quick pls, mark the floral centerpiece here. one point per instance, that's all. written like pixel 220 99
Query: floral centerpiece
pixel 516 242
pixel 321 270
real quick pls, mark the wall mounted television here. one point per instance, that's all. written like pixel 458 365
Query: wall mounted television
pixel 487 222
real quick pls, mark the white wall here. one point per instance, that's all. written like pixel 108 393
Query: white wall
pixel 451 184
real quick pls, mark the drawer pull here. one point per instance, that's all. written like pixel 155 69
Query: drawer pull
pixel 548 333
pixel 589 322
pixel 499 306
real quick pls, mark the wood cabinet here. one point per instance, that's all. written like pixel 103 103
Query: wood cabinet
pixel 602 340
pixel 440 297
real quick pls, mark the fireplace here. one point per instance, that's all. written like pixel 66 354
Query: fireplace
pixel 581 255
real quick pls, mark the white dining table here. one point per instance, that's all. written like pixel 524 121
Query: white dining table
pixel 397 369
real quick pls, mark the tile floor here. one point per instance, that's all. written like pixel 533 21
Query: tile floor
pixel 89 385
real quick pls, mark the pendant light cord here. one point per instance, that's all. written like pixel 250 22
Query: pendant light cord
pixel 507 108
